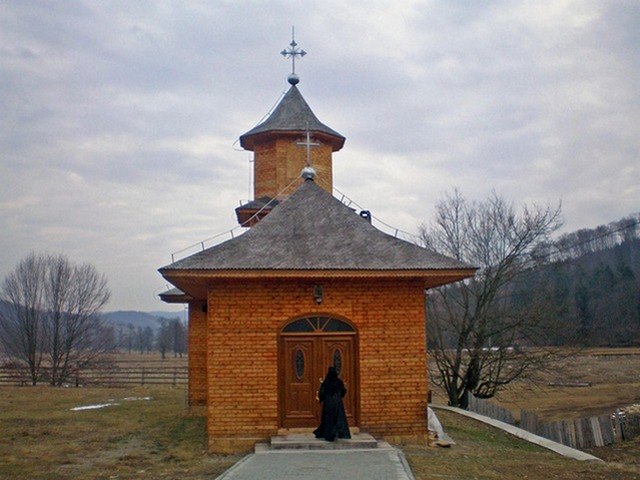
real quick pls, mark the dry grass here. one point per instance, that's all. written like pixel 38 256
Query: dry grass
pixel 154 358
pixel 614 375
pixel 483 452
pixel 41 438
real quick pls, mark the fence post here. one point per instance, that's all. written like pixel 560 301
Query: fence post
pixel 615 424
pixel 529 421
pixel 142 379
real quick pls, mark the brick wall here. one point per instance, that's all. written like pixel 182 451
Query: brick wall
pixel 244 318
pixel 197 355
pixel 278 162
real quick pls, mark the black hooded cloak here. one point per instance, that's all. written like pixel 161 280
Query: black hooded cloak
pixel 334 419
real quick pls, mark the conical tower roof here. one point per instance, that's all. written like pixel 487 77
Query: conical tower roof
pixel 292 115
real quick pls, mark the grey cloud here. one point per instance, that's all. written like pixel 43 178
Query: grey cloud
pixel 119 117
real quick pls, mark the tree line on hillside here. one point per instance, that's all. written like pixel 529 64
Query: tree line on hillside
pixel 585 241
pixel 596 296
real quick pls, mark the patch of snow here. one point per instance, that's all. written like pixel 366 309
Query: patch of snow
pixel 92 407
pixel 110 402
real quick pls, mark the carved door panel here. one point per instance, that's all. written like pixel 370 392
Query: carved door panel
pixel 339 353
pixel 299 382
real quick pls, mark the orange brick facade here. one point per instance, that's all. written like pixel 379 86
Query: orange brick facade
pixel 278 163
pixel 242 328
pixel 197 354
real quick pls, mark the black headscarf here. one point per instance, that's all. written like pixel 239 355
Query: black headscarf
pixel 332 384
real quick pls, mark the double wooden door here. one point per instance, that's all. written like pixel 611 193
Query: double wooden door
pixel 304 362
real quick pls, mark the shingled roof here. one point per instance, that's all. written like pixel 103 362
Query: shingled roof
pixel 292 114
pixel 312 230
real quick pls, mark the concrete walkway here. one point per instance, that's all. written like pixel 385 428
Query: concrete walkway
pixel 523 434
pixel 381 463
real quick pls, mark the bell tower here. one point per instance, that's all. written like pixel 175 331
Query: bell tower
pixel 291 138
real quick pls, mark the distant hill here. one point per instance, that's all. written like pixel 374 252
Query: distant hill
pixel 181 314
pixel 139 319
pixel 126 317
pixel 594 286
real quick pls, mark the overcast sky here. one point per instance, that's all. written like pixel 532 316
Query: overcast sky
pixel 118 118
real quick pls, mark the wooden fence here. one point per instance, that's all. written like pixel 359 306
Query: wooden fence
pixel 577 433
pixel 491 410
pixel 102 376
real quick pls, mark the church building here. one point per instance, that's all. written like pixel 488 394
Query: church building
pixel 311 284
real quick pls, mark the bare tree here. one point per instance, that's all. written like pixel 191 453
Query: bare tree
pixel 74 295
pixel 55 314
pixel 144 339
pixel 178 337
pixel 479 329
pixel 130 337
pixel 163 339
pixel 21 328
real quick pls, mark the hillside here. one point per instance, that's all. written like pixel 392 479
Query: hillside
pixel 594 283
pixel 140 319
pixel 125 317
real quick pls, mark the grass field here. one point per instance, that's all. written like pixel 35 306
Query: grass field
pixel 614 378
pixel 482 452
pixel 613 375
pixel 41 438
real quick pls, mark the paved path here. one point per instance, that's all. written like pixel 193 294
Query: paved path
pixel 383 463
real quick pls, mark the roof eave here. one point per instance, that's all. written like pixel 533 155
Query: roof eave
pixel 433 277
pixel 171 297
pixel 248 141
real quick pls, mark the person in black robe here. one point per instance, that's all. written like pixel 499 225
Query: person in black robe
pixel 333 423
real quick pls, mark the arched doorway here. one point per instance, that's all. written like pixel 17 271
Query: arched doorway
pixel 308 346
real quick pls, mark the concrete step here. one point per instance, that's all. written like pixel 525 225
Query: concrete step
pixel 306 441
pixel 287 431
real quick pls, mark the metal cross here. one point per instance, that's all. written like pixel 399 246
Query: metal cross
pixel 309 144
pixel 293 52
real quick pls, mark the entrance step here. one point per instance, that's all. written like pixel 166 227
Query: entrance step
pixel 306 441
pixel 287 431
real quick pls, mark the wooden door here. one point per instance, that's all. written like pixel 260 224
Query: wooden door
pixel 300 382
pixel 304 362
pixel 338 351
